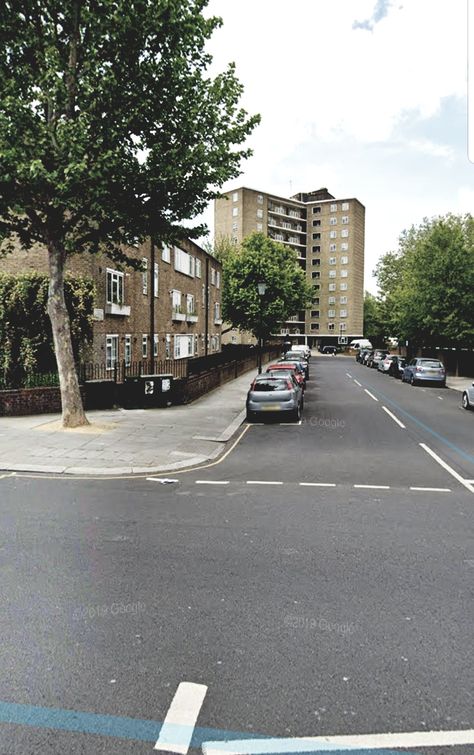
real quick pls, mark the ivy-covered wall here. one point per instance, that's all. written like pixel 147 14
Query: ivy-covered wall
pixel 26 341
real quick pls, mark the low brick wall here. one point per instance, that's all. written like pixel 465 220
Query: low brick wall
pixel 23 401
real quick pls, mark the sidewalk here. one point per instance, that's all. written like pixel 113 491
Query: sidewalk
pixel 459 383
pixel 123 441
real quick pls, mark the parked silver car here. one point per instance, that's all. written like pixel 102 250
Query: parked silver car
pixel 273 394
pixel 424 370
pixel 468 398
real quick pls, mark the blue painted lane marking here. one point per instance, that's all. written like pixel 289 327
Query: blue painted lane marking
pixel 122 727
pixel 445 441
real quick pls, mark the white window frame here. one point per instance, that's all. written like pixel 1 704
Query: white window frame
pixel 156 279
pixel 331 313
pixel 345 206
pixel 168 346
pixel 183 262
pixel 331 300
pixel 175 300
pixel 343 300
pixel 332 221
pixel 259 226
pixel 345 219
pixel 260 198
pixel 259 213
pixel 190 304
pixel 333 234
pixel 198 268
pixel 117 286
pixel 332 287
pixel 342 326
pixel 144 275
pixel 332 248
pixel 344 260
pixel 218 279
pixel 127 353
pixel 344 233
pixel 333 208
pixel 235 196
pixel 111 350
pixel 342 287
pixel 213 276
pixel 332 260
pixel 343 313
pixel 166 254
pixel 332 273
pixel 235 212
pixel 344 246
pixel 145 346
pixel 331 326
pixel 344 273
pixel 155 344
pixel 183 346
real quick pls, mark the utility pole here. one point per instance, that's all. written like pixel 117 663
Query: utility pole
pixel 152 304
pixel 206 300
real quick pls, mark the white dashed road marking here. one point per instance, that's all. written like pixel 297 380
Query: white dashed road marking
pixel 212 482
pixel 395 419
pixel 449 469
pixel 178 727
pixel 264 482
pixel 348 374
pixel 374 487
pixel 318 484
pixel 370 394
pixel 433 490
pixel 357 383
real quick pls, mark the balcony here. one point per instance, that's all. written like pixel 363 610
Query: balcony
pixel 116 308
pixel 178 316
pixel 217 321
pixel 191 317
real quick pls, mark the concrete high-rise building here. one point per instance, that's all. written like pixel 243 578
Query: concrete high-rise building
pixel 327 235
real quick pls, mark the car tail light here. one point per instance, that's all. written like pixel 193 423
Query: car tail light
pixel 289 384
pixel 419 369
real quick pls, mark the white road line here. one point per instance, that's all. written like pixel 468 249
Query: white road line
pixel 449 469
pixel 440 398
pixel 163 480
pixel 263 482
pixel 370 394
pixel 375 487
pixel 211 482
pixel 433 490
pixel 178 727
pixel 471 481
pixel 346 742
pixel 318 484
pixel 395 419
pixel 349 374
pixel 357 383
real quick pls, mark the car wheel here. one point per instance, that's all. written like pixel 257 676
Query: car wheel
pixel 296 415
pixel 250 416
pixel 412 380
pixel 465 402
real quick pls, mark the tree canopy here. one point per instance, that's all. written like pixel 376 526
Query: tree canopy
pixel 259 259
pixel 427 285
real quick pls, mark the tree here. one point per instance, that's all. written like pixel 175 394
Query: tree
pixel 260 259
pixel 428 284
pixel 111 130
pixel 375 322
pixel 25 328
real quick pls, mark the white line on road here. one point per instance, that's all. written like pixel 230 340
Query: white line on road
pixel 449 469
pixel 440 398
pixel 357 383
pixel 211 482
pixel 348 374
pixel 263 482
pixel 318 484
pixel 395 419
pixel 346 742
pixel 178 727
pixel 370 394
pixel 163 480
pixel 433 490
pixel 375 487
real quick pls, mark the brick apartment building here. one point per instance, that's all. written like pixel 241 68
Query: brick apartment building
pixel 179 291
pixel 327 235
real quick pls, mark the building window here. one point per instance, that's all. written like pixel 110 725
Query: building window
pixel 111 351
pixel 344 246
pixel 315 326
pixel 260 198
pixel 330 326
pixel 344 260
pixel 144 346
pixel 345 219
pixel 342 326
pixel 316 261
pixel 316 223
pixel 332 260
pixel 155 344
pixel 166 253
pixel 342 287
pixel 332 273
pixel 114 287
pixel 316 210
pixel 343 313
pixel 259 213
pixel 190 304
pixel 198 268
pixel 316 235
pixel 183 262
pixel 315 313
pixel 217 311
pixel 235 196
pixel 213 276
pixel 183 346
pixel 235 212
pixel 343 300
pixel 316 274
pixel 333 208
pixel 259 227
pixel 128 351
pixel 316 249
pixel 155 280
pixel 332 221
pixel 167 346
pixel 343 273
pixel 344 233
pixel 332 247
pixel 332 234
pixel 218 279
pixel 145 275
pixel 331 312
pixel 331 299
pixel 176 300
pixel 332 287
pixel 345 206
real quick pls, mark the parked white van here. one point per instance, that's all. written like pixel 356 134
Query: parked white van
pixel 360 343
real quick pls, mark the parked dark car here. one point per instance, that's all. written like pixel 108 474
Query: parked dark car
pixel 330 350
pixel 361 354
pixel 397 366
pixel 274 395
pixel 367 355
pixel 424 370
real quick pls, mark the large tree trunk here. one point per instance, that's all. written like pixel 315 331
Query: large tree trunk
pixel 73 411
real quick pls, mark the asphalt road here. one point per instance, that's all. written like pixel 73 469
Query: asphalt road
pixel 310 609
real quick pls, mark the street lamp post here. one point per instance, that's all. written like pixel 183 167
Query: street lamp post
pixel 262 287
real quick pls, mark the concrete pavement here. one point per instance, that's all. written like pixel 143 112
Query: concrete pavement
pixel 139 441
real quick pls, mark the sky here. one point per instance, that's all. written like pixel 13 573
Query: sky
pixel 365 97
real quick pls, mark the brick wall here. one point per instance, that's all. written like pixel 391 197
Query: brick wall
pixel 26 401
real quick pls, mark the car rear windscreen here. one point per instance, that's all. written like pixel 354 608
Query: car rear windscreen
pixel 433 363
pixel 270 385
